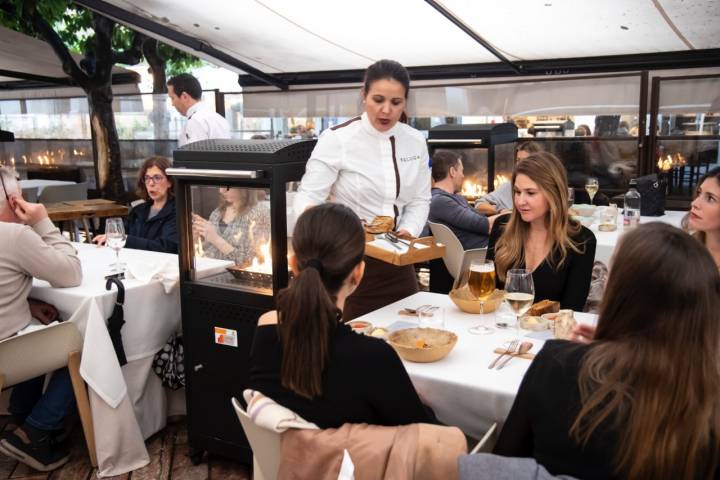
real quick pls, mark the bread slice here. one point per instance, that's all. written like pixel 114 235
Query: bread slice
pixel 380 224
pixel 544 306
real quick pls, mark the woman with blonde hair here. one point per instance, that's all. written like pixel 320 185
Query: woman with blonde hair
pixel 641 400
pixel 540 236
pixel 236 228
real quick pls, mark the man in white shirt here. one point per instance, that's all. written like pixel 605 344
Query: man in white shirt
pixel 203 123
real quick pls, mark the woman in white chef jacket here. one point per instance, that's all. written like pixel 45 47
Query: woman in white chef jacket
pixel 376 165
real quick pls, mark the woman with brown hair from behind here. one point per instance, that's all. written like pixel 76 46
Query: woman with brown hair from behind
pixel 306 359
pixel 641 400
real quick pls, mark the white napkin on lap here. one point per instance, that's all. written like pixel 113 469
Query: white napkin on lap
pixel 266 413
pixel 166 272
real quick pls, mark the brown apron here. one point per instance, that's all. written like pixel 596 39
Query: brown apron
pixel 382 284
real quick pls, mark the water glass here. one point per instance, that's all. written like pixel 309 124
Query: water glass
pixel 115 238
pixel 432 318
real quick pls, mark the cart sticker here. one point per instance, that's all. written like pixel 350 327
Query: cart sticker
pixel 225 336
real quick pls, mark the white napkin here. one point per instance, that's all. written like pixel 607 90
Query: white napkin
pixel 266 413
pixel 399 247
pixel 166 272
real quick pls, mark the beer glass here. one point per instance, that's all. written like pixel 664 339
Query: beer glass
pixel 481 283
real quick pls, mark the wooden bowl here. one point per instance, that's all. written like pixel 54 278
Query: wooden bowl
pixel 465 301
pixel 436 344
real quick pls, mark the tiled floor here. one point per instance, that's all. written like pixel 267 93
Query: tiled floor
pixel 168 460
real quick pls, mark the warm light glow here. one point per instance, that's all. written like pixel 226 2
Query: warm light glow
pixel 671 161
pixel 472 190
pixel 263 262
pixel 500 179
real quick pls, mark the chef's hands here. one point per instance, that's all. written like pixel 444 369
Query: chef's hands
pixel 204 228
pixel 42 311
pixel 402 233
pixel 28 213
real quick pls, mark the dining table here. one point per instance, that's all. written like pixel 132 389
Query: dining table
pixel 460 388
pixel 128 402
pixel 608 241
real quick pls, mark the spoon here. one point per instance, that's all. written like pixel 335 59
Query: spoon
pixel 524 348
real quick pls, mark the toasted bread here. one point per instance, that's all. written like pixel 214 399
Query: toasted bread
pixel 544 306
pixel 380 224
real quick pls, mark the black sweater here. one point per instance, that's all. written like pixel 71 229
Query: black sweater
pixel 158 233
pixel 568 284
pixel 364 382
pixel 545 408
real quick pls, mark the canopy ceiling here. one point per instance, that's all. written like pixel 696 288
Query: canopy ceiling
pixel 278 37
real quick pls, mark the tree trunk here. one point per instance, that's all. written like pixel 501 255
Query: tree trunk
pixel 106 145
pixel 159 117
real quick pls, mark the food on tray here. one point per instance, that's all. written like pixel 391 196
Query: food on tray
pixel 380 224
pixel 544 306
pixel 564 324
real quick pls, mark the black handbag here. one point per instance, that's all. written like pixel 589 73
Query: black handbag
pixel 652 195
pixel 168 363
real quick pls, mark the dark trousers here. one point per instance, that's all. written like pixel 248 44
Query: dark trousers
pixel 45 411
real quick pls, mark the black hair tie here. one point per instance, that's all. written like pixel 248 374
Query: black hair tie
pixel 316 264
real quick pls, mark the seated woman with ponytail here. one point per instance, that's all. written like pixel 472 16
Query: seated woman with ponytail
pixel 306 359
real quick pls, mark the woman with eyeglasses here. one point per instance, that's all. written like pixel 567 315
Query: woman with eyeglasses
pixel 152 225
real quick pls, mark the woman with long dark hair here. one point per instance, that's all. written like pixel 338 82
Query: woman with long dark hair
pixel 641 400
pixel 540 236
pixel 306 359
pixel 704 216
pixel 378 166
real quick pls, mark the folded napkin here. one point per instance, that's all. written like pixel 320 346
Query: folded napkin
pixel 266 413
pixel 166 272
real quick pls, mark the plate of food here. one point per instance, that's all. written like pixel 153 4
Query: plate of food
pixel 422 345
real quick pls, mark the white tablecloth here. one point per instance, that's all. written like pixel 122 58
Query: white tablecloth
pixel 460 388
pixel 607 241
pixel 128 403
pixel 41 184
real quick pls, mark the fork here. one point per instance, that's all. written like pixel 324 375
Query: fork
pixel 510 349
pixel 421 309
pixel 393 238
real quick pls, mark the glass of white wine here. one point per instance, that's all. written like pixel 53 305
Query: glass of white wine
pixel 115 238
pixel 481 282
pixel 591 187
pixel 519 291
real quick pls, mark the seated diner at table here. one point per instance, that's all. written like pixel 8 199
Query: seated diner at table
pixel 152 225
pixel 540 236
pixel 640 400
pixel 306 359
pixel 704 217
pixel 236 227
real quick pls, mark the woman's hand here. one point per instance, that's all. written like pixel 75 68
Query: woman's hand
pixel 100 240
pixel 205 229
pixel 583 333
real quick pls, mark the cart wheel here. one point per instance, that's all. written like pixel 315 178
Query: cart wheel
pixel 196 455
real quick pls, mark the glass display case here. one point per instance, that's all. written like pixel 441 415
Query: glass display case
pixel 234 210
pixel 487 152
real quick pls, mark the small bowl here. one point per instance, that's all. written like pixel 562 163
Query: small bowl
pixel 465 301
pixel 584 210
pixel 360 326
pixel 549 317
pixel 422 345
pixel 536 324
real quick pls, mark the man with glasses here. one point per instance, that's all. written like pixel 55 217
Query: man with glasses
pixel 32 247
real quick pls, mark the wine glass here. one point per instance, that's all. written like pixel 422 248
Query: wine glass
pixel 571 196
pixel 519 291
pixel 115 238
pixel 591 187
pixel 481 282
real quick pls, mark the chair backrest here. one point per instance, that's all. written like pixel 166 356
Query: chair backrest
pixel 30 194
pixel 453 248
pixel 265 445
pixel 41 351
pixel 62 193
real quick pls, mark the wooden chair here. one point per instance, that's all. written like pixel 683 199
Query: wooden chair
pixel 265 445
pixel 27 356
pixel 456 258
